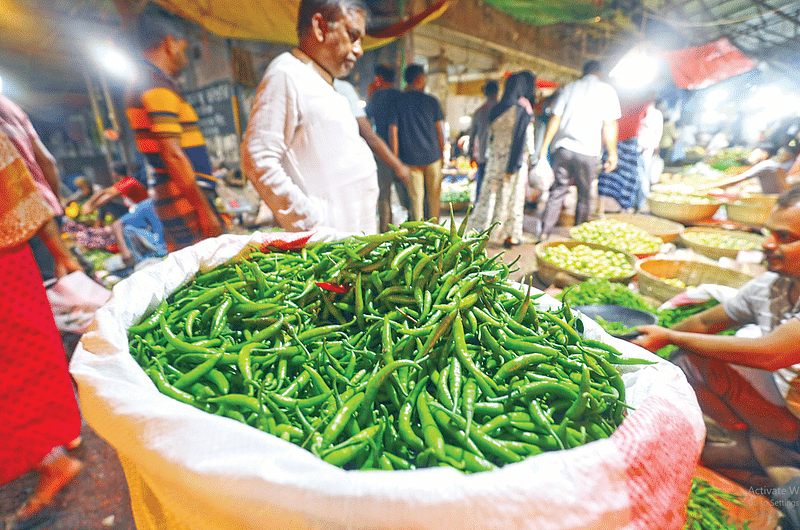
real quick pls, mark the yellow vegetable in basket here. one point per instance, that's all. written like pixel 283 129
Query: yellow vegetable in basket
pixel 675 282
pixel 73 210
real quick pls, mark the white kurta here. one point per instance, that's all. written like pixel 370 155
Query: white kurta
pixel 303 153
pixel 584 105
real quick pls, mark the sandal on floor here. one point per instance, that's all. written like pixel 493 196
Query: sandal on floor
pixel 511 242
pixel 33 506
pixel 74 444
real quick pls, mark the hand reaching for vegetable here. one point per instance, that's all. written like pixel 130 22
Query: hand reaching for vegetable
pixel 652 338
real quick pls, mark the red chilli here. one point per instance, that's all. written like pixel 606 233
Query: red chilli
pixel 334 288
pixel 281 244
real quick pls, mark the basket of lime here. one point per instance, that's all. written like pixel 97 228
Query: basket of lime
pixel 716 243
pixel 618 235
pixel 583 261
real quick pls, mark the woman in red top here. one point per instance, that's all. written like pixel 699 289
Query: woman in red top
pixel 40 414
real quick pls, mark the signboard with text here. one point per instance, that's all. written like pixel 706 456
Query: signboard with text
pixel 215 106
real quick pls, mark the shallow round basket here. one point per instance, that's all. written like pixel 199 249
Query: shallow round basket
pixel 460 206
pixel 573 235
pixel 547 271
pixel 664 229
pixel 683 212
pixel 627 316
pixel 651 273
pixel 718 252
pixel 751 210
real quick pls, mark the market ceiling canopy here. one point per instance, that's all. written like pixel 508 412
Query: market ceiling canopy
pixel 541 12
pixel 276 20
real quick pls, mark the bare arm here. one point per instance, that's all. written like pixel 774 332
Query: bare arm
pixel 712 320
pixel 47 162
pixel 440 134
pixel 394 143
pixel 99 199
pixel 778 349
pixel 383 151
pixel 610 132
pixel 50 235
pixel 549 134
pixel 182 175
pixel 473 134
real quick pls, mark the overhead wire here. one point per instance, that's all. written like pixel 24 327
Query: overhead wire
pixel 728 22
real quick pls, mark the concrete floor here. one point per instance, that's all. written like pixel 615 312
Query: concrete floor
pixel 98 498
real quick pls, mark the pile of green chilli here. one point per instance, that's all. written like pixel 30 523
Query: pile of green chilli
pixel 707 508
pixel 396 351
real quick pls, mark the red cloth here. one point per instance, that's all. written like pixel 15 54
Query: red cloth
pixel 632 115
pixel 702 66
pixel 39 409
pixel 132 189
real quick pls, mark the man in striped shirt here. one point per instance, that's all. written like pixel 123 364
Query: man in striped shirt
pixel 167 134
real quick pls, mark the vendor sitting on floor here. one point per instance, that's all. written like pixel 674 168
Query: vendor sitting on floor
pixel 772 173
pixel 138 232
pixel 750 386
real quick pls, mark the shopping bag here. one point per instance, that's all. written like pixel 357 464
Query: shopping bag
pixel 541 176
pixel 74 299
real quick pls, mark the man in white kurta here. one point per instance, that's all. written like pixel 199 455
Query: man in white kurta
pixel 302 149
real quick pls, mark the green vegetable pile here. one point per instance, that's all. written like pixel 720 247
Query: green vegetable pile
pixel 597 291
pixel 705 509
pixel 589 261
pixel 618 235
pixel 455 192
pixel 396 351
pixel 728 157
pixel 613 328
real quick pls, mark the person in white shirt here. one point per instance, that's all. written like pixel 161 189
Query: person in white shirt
pixel 650 131
pixel 302 149
pixel 584 120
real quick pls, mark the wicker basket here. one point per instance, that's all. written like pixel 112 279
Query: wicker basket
pixel 652 271
pixel 664 229
pixel 683 212
pixel 459 206
pixel 752 210
pixel 718 252
pixel 547 271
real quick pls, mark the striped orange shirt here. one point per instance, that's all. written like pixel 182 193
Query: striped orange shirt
pixel 156 109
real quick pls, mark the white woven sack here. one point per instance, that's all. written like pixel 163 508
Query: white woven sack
pixel 191 470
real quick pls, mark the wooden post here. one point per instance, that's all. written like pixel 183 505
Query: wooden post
pixel 98 120
pixel 112 116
